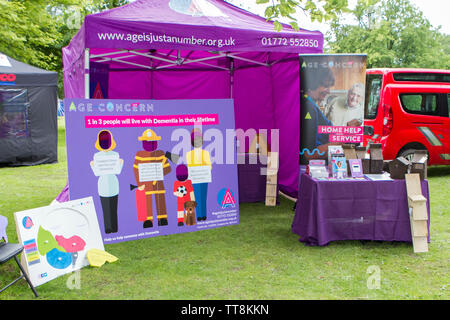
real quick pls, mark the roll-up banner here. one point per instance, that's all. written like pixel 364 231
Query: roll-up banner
pixel 332 89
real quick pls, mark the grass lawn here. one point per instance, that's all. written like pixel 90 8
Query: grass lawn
pixel 258 259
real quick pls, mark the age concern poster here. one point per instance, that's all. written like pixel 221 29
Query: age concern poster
pixel 153 167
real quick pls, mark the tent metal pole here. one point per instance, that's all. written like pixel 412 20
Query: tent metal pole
pixel 248 60
pixel 108 54
pixel 151 56
pixel 231 77
pixel 131 63
pixel 86 73
pixel 193 61
pixel 203 63
pixel 112 59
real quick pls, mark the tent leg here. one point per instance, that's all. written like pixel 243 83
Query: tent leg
pixel 231 77
pixel 86 73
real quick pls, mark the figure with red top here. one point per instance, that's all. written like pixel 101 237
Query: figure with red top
pixel 183 190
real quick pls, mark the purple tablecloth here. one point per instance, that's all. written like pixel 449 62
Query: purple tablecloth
pixel 252 184
pixel 353 210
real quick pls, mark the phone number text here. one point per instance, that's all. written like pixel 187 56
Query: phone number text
pixel 292 42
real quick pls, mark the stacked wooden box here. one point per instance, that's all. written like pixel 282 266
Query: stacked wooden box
pixel 272 179
pixel 418 214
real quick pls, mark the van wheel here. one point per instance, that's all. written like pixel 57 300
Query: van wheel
pixel 408 154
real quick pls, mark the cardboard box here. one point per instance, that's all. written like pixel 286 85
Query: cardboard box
pixel 376 158
pixel 366 165
pixel 398 168
pixel 386 165
pixel 419 163
pixel 350 153
pixel 360 152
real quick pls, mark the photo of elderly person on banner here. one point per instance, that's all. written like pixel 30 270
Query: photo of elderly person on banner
pixel 332 94
pixel 314 145
pixel 348 110
pixel 199 167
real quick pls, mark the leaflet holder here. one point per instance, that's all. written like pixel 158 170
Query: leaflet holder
pixel 376 158
pixel 419 163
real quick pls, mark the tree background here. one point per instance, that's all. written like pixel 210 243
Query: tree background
pixel 393 33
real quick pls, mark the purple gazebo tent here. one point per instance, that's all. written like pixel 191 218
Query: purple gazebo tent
pixel 197 49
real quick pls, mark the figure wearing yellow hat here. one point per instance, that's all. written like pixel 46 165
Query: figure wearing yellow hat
pixel 106 165
pixel 150 166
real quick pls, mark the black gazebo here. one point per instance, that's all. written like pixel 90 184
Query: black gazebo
pixel 28 114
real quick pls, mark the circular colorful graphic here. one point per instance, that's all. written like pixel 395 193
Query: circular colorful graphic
pixel 110 107
pixel 225 198
pixel 58 259
pixel 27 222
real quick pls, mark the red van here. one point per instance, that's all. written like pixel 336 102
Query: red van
pixel 408 109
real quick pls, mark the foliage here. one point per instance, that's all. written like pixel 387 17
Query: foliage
pixel 394 33
pixel 317 10
pixel 35 32
pixel 28 32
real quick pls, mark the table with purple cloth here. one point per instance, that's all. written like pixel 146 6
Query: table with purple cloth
pixel 252 184
pixel 332 210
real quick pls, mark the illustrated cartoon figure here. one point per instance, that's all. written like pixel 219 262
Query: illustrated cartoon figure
pixel 199 157
pixel 183 190
pixel 150 166
pixel 189 217
pixel 106 165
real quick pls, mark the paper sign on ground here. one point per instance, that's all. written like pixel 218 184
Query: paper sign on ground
pixel 57 238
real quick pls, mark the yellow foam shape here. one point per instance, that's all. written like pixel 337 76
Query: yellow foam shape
pixel 97 257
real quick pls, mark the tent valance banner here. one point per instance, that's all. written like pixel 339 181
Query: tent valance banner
pixel 153 167
pixel 332 102
pixel 209 25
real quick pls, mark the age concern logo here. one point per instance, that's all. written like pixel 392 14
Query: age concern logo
pixel 225 198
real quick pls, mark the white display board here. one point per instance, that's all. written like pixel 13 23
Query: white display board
pixel 57 238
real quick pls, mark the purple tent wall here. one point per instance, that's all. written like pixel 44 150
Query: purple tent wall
pixel 73 62
pixel 286 97
pixel 265 97
pixel 191 85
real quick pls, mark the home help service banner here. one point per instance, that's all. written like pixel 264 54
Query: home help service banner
pixel 153 167
pixel 332 89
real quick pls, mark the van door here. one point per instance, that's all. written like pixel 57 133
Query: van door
pixel 373 114
pixel 423 116
pixel 446 116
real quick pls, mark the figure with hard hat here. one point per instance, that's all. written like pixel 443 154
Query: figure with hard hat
pixel 150 167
